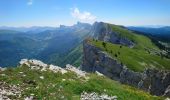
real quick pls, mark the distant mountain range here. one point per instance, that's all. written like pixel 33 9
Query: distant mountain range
pixel 33 29
pixel 58 45
pixel 134 56
pixel 161 33
pixel 51 45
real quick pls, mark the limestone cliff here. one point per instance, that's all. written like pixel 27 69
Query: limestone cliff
pixel 103 31
pixel 154 81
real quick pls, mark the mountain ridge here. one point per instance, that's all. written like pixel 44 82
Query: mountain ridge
pixel 71 36
pixel 110 51
pixel 142 66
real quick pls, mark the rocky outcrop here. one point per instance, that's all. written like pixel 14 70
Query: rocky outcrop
pixel 7 90
pixel 154 81
pixel 39 65
pixel 96 96
pixel 77 71
pixel 2 69
pixel 103 31
pixel 34 64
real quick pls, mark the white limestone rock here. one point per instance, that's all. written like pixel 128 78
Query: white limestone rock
pixel 38 65
pixel 29 98
pixel 79 73
pixel 42 77
pixel 96 96
pixel 99 74
pixel 23 61
pixel 9 90
pixel 57 69
pixel 2 69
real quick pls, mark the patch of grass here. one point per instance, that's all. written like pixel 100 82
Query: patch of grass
pixel 140 40
pixel 135 59
pixel 52 87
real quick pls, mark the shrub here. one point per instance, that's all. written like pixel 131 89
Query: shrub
pixel 111 51
pixel 115 55
pixel 104 44
pixel 121 63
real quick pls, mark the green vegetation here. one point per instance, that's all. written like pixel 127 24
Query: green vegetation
pixel 53 87
pixel 104 44
pixel 73 57
pixel 135 59
pixel 140 40
pixel 143 55
pixel 59 46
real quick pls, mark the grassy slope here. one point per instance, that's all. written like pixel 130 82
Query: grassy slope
pixel 53 88
pixel 136 58
pixel 75 56
pixel 72 57
pixel 140 40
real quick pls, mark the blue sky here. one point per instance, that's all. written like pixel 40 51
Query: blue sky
pixel 55 12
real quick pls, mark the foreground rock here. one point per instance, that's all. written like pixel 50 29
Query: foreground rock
pixel 96 96
pixel 39 65
pixel 77 71
pixel 151 80
pixel 33 83
pixel 2 69
pixel 7 90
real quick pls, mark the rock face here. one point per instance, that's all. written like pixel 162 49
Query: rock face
pixel 95 60
pixel 154 81
pixel 103 31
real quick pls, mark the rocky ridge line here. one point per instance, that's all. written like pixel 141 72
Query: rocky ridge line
pixel 157 82
pixel 8 91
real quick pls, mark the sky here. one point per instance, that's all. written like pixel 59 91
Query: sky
pixel 18 13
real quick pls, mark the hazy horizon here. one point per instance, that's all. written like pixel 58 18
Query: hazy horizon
pixel 149 26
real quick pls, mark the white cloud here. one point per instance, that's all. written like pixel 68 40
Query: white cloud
pixel 30 2
pixel 82 16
